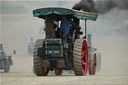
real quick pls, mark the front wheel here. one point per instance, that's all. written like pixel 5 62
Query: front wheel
pixel 98 62
pixel 92 64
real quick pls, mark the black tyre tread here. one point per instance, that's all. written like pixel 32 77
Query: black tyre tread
pixel 77 57
pixel 7 68
pixel 37 61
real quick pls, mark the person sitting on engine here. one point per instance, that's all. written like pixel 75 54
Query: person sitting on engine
pixel 49 28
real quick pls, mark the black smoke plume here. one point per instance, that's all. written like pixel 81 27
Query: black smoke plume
pixel 101 6
pixel 85 5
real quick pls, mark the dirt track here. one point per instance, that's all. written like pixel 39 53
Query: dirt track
pixel 21 74
pixel 66 79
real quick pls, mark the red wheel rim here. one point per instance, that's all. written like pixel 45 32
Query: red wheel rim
pixel 45 71
pixel 84 57
pixel 95 63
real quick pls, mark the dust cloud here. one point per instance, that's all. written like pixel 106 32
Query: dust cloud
pixel 109 35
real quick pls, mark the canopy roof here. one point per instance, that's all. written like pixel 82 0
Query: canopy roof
pixel 42 12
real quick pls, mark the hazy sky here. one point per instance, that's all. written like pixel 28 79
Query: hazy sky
pixel 18 23
pixel 110 31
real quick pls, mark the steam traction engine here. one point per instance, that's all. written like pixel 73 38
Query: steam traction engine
pixel 70 53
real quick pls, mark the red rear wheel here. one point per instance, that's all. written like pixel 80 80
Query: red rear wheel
pixel 80 57
pixel 39 70
pixel 84 57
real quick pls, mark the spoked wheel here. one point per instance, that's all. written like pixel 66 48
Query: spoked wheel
pixel 92 64
pixel 80 57
pixel 58 72
pixel 39 70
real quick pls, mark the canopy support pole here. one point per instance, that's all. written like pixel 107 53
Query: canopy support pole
pixel 85 30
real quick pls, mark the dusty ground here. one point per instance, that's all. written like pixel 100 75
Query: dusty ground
pixel 21 74
pixel 66 79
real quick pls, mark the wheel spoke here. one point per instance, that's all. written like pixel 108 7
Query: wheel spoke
pixel 84 59
pixel 83 63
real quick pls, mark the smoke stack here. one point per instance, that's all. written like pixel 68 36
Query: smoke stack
pixel 89 40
